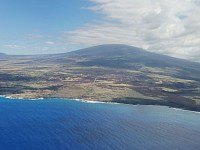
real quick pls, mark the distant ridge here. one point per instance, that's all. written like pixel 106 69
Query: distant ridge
pixel 2 55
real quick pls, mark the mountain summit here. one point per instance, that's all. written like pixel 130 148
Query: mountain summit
pixel 108 50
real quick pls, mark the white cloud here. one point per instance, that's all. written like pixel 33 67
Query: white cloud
pixel 14 46
pixel 22 48
pixel 35 36
pixel 168 27
pixel 50 42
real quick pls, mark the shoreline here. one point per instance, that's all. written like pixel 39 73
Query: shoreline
pixel 124 102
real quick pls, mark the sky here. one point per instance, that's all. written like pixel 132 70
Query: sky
pixel 170 27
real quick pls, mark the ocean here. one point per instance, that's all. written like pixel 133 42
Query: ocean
pixel 57 124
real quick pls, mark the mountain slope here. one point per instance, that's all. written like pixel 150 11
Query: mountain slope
pixel 128 57
pixel 130 53
pixel 113 72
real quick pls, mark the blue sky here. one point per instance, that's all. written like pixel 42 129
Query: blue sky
pixel 34 23
pixel 55 26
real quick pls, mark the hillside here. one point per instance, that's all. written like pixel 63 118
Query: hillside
pixel 113 72
pixel 128 57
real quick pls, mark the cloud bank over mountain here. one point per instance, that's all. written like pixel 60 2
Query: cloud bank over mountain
pixel 163 26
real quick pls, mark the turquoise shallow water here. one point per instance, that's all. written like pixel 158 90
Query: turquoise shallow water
pixel 56 124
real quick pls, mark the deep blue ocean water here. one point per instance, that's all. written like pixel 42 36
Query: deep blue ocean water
pixel 56 124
